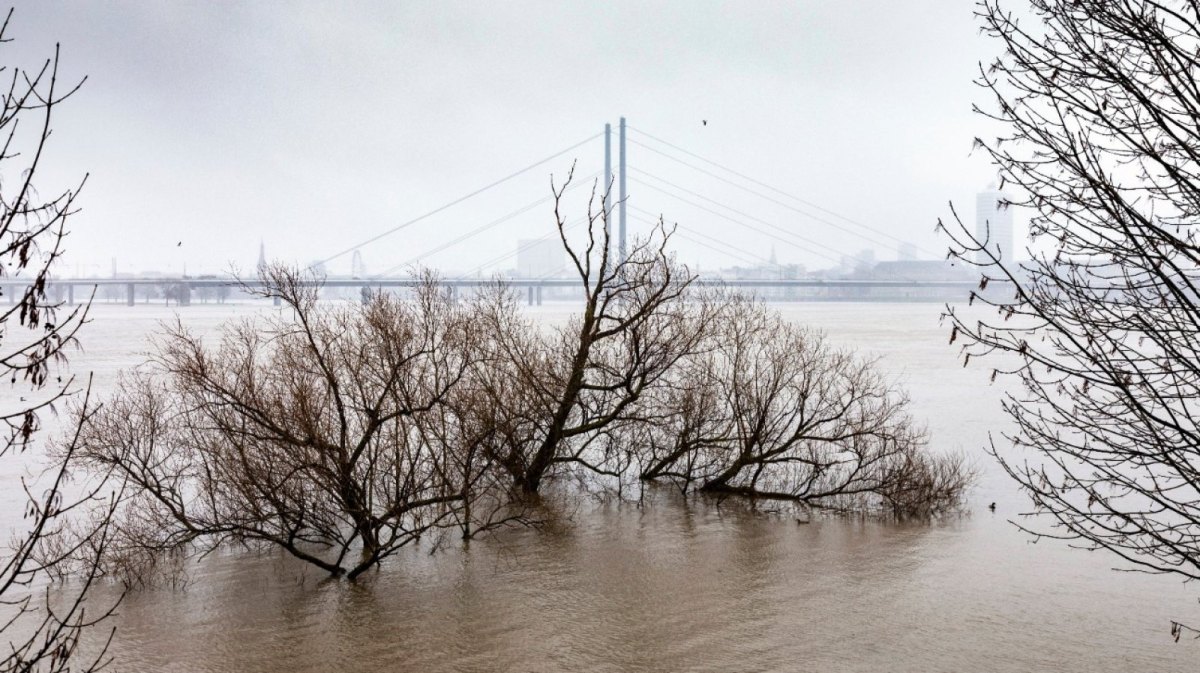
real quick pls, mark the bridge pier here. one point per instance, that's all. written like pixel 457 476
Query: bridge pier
pixel 129 294
pixel 58 293
pixel 185 294
pixel 70 295
pixel 531 295
pixel 12 294
pixel 275 301
pixel 365 294
pixel 539 295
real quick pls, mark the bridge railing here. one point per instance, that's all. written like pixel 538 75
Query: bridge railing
pixel 800 289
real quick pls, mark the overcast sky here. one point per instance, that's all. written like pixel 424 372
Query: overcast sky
pixel 207 126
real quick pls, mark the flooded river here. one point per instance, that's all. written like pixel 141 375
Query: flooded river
pixel 676 586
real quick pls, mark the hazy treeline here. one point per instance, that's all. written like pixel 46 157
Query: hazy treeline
pixel 342 432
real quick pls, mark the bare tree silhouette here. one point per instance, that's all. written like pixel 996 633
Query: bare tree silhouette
pixel 1099 106
pixel 569 390
pixel 342 432
pixel 41 623
pixel 771 410
pixel 301 432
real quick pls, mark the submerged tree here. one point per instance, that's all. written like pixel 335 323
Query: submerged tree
pixel 771 410
pixel 1100 106
pixel 40 629
pixel 341 432
pixel 562 394
pixel 300 432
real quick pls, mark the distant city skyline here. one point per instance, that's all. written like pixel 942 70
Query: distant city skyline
pixel 531 258
pixel 355 119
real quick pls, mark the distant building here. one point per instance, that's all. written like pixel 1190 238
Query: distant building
pixel 540 258
pixel 769 269
pixel 923 270
pixel 994 224
pixel 906 252
pixel 763 272
pixel 858 264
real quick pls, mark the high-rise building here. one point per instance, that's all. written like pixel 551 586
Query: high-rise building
pixel 994 224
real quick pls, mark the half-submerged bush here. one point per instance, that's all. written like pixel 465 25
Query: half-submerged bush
pixel 303 431
pixel 340 433
pixel 771 410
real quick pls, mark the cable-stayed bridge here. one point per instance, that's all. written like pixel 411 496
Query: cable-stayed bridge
pixel 820 221
pixel 738 222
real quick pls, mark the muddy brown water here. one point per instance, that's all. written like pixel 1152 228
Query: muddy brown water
pixel 674 585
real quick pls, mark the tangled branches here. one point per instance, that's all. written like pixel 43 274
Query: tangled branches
pixel 341 433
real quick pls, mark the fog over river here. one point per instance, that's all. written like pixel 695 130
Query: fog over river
pixel 677 586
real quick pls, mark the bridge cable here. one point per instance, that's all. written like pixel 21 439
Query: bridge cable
pixel 781 239
pixel 741 213
pixel 523 247
pixel 478 230
pixel 763 196
pixel 782 203
pixel 753 228
pixel 774 189
pixel 835 260
pixel 777 237
pixel 743 224
pixel 742 254
pixel 460 199
pixel 730 251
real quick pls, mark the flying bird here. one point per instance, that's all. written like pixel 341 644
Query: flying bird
pixel 179 244
pixel 704 122
pixel 992 507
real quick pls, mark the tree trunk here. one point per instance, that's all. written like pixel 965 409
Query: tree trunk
pixel 721 481
pixel 532 479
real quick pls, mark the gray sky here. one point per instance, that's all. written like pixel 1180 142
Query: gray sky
pixel 316 125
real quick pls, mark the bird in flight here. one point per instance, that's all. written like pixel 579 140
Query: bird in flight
pixel 704 122
pixel 179 244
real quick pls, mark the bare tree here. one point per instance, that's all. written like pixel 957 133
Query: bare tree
pixel 466 432
pixel 300 431
pixel 771 410
pixel 41 623
pixel 559 395
pixel 340 433
pixel 1099 104
pixel 657 378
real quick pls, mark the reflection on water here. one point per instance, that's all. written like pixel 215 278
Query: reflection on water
pixel 668 587
pixel 684 586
